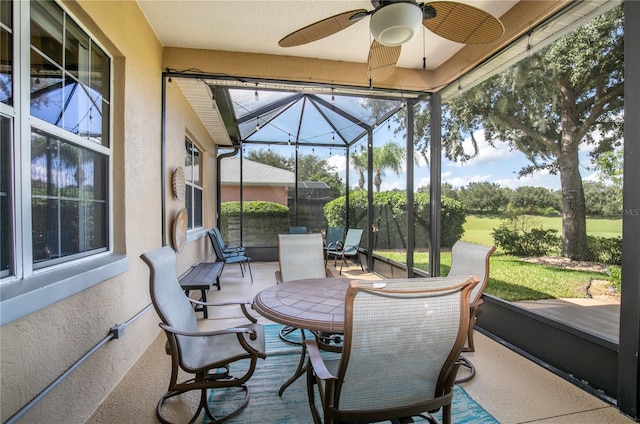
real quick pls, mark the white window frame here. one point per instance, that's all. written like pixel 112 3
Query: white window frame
pixel 191 186
pixel 28 290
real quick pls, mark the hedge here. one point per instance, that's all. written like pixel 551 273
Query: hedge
pixel 390 218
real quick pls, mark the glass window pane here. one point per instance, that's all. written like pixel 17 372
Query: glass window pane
pixel 197 208
pixel 6 221
pixel 68 186
pixel 45 227
pixel 6 66
pixel 6 13
pixel 46 90
pixel 76 48
pixel 188 195
pixel 46 29
pixel 100 74
pixel 44 164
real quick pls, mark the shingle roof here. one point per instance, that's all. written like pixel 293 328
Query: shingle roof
pixel 255 173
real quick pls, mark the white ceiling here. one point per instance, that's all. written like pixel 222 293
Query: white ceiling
pixel 257 26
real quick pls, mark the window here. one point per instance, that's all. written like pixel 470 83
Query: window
pixel 6 53
pixel 6 231
pixel 61 211
pixel 193 179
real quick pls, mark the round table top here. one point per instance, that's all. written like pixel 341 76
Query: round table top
pixel 315 304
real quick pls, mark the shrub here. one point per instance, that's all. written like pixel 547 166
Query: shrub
pixel 515 237
pixel 615 277
pixel 607 250
pixel 389 218
pixel 262 222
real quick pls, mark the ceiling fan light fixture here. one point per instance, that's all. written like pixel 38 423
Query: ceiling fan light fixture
pixel 396 23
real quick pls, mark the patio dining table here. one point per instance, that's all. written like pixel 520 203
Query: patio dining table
pixel 315 304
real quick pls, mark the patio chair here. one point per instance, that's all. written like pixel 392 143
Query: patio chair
pixel 300 256
pixel 397 364
pixel 230 258
pixel 227 248
pixel 349 250
pixel 205 355
pixel 334 237
pixel 471 259
pixel 297 230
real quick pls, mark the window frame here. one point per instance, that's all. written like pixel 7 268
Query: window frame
pixel 30 288
pixel 191 187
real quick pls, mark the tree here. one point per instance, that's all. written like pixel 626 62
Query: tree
pixel 313 168
pixel 546 106
pixel 359 162
pixel 270 158
pixel 602 199
pixel 310 168
pixel 388 157
pixel 610 167
pixel 483 197
pixel 534 199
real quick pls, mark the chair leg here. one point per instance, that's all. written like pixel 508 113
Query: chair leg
pixel 465 363
pixel 203 406
pixel 250 273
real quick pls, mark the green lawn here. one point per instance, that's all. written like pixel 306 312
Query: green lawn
pixel 477 228
pixel 512 279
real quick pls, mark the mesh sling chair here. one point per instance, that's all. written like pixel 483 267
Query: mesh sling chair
pixel 300 256
pixel 230 258
pixel 227 248
pixel 471 259
pixel 334 236
pixel 402 339
pixel 349 250
pixel 206 355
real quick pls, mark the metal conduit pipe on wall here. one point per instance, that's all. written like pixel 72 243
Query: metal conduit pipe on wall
pixel 115 332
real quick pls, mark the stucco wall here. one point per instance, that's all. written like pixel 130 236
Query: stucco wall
pixel 36 349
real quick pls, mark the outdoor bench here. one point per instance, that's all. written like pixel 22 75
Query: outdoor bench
pixel 201 277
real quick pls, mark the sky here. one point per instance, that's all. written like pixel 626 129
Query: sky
pixel 492 164
pixel 495 165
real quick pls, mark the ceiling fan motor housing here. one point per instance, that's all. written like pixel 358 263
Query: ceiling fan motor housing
pixel 396 23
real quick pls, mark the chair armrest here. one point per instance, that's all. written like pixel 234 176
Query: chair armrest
pixel 242 304
pixel 315 358
pixel 236 330
pixel 477 303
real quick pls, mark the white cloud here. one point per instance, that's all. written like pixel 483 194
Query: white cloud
pixel 465 180
pixel 487 154
pixel 339 162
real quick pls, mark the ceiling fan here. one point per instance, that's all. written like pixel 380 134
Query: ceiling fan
pixel 394 22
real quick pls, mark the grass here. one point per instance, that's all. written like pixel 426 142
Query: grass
pixel 477 228
pixel 513 279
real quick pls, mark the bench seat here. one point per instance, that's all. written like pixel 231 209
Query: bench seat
pixel 202 277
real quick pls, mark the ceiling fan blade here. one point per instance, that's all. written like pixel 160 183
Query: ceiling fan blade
pixel 320 29
pixel 463 23
pixel 382 61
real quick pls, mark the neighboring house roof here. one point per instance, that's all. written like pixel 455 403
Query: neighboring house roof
pixel 312 184
pixel 255 174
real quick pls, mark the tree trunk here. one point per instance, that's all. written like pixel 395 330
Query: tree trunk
pixel 377 182
pixel 574 222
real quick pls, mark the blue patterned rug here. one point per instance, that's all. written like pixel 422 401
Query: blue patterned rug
pixel 266 407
